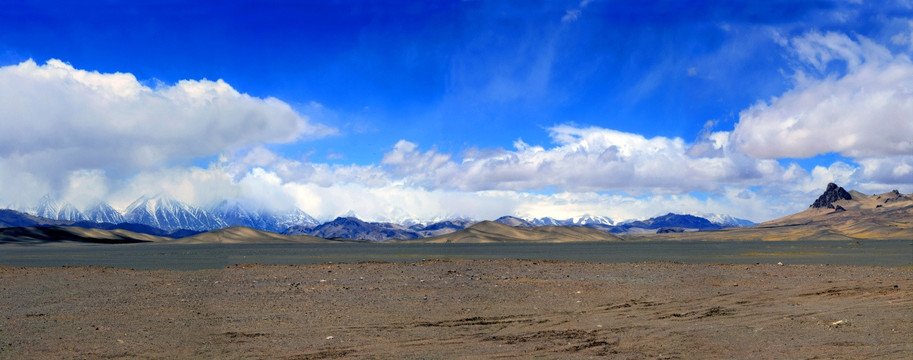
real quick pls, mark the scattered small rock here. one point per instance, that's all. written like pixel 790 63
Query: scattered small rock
pixel 840 323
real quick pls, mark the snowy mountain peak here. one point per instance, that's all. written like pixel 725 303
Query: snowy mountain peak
pixel 164 212
pixel 547 221
pixel 70 213
pixel 46 208
pixel 50 209
pixel 295 217
pixel 583 220
pixel 160 201
pixel 102 212
pixel 592 220
pixel 514 221
pixel 726 220
pixel 236 213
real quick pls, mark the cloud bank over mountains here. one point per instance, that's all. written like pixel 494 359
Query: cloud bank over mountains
pixel 85 136
pixel 59 119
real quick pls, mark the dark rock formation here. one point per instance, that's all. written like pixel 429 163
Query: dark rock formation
pixel 895 196
pixel 832 194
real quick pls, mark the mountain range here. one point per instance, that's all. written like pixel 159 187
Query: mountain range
pixel 162 215
pixel 836 214
pixel 165 213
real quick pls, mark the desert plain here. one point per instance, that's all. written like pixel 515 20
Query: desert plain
pixel 459 309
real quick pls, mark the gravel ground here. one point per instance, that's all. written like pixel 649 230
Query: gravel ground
pixel 458 309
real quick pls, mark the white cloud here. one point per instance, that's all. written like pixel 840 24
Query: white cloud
pixel 571 15
pixel 587 159
pixel 892 170
pixel 406 161
pixel 838 173
pixel 574 14
pixel 396 201
pixel 265 179
pixel 55 118
pixel 864 113
pixel 905 37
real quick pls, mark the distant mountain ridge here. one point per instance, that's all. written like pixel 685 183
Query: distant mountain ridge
pixel 840 215
pixel 50 209
pixel 162 215
pixel 354 228
pixel 574 221
pixel 726 221
pixel 166 213
pixel 235 213
pixel 16 219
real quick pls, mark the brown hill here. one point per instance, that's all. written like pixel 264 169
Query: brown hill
pixel 246 235
pixel 57 234
pixel 836 215
pixel 490 232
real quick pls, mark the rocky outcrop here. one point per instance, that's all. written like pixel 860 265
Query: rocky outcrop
pixel 832 194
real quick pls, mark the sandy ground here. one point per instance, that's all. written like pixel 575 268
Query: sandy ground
pixel 459 309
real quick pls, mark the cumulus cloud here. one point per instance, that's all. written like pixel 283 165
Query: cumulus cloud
pixel 889 171
pixel 864 113
pixel 387 193
pixel 56 119
pixel 587 159
pixel 407 161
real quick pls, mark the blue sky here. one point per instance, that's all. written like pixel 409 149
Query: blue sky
pixel 517 104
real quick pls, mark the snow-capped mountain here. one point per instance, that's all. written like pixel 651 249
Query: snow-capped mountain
pixel 514 221
pixel 69 212
pixel 103 213
pixel 50 209
pixel 726 220
pixel 285 220
pixel 442 227
pixel 235 213
pixel 166 213
pixel 584 220
pixel 46 208
pixel 547 221
pixel 592 220
pixel 427 221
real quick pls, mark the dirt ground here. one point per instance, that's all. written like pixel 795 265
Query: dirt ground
pixel 459 309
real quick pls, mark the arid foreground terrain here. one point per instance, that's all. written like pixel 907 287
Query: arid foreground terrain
pixel 453 309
